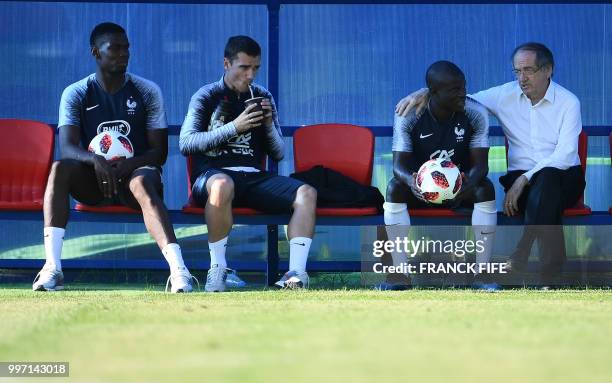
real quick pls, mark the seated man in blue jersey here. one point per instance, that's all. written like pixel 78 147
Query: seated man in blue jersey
pixel 110 99
pixel 450 126
pixel 228 142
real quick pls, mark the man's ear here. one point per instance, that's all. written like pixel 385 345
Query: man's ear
pixel 549 71
pixel 95 52
pixel 226 63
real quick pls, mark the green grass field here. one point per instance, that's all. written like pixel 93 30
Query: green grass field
pixel 312 336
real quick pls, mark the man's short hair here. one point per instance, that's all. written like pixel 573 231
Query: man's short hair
pixel 104 29
pixel 543 55
pixel 440 68
pixel 244 44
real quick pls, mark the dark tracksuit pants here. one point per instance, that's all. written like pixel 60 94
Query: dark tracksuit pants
pixel 542 202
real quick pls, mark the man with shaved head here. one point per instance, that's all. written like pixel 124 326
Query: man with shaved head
pixel 542 122
pixel 451 126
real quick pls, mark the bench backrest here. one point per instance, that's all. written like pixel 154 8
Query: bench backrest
pixel 348 149
pixel 26 153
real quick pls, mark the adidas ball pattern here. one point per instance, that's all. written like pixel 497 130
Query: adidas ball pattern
pixel 439 180
pixel 112 146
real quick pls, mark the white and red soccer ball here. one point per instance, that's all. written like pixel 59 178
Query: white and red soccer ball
pixel 112 146
pixel 439 180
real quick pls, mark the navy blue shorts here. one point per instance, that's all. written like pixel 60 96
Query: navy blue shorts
pixel 262 191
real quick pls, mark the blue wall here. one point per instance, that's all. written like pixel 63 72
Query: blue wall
pixel 337 62
pixel 179 46
pixel 352 63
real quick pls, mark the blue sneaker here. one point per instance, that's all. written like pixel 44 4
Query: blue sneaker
pixel 489 287
pixel 233 280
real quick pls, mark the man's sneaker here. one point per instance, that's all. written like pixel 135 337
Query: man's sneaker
pixel 387 286
pixel 48 279
pixel 233 280
pixel 489 287
pixel 514 266
pixel 517 263
pixel 293 280
pixel 394 282
pixel 179 281
pixel 485 282
pixel 215 279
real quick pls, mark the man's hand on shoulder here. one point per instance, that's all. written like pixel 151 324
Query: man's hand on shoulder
pixel 248 120
pixel 417 99
pixel 107 180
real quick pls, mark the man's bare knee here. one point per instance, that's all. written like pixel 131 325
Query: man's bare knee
pixel 306 195
pixel 62 171
pixel 221 191
pixel 64 168
pixel 396 191
pixel 140 188
pixel 393 189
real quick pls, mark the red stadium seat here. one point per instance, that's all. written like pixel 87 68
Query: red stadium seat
pixel 192 208
pixel 113 209
pixel 26 153
pixel 348 149
pixel 435 212
pixel 580 208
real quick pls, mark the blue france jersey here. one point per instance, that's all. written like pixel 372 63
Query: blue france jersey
pixel 209 136
pixel 427 139
pixel 131 111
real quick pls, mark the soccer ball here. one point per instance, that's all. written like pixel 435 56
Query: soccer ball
pixel 112 146
pixel 438 180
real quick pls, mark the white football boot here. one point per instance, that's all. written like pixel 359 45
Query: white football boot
pixel 215 279
pixel 48 279
pixel 293 280
pixel 180 281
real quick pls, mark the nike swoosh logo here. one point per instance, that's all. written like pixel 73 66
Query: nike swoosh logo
pixel 425 136
pixel 301 244
pixel 92 107
pixel 47 236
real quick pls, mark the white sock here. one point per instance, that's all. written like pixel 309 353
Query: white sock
pixel 484 223
pixel 217 252
pixel 54 240
pixel 396 214
pixel 173 255
pixel 298 253
pixel 397 221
